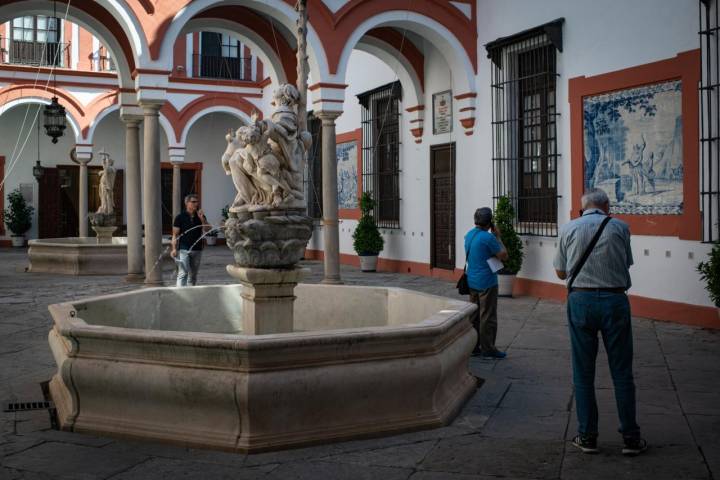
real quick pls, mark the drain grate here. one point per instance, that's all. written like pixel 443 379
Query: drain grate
pixel 28 406
pixel 47 404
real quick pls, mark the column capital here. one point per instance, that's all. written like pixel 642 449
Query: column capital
pixel 131 120
pixel 176 154
pixel 83 153
pixel 151 107
pixel 328 116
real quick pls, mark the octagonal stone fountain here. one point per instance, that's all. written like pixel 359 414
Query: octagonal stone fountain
pixel 266 363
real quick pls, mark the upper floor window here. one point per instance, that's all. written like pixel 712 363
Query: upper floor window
pixel 35 40
pixel 381 151
pixel 221 57
pixel 524 125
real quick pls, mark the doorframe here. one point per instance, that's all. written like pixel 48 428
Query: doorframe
pixel 453 172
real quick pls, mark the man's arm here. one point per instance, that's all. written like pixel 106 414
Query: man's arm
pixel 173 242
pixel 205 225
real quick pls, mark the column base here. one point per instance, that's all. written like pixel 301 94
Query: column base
pixel 332 281
pixel 135 278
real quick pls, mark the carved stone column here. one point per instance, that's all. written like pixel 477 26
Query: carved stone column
pixel 83 155
pixel 331 234
pixel 152 201
pixel 133 199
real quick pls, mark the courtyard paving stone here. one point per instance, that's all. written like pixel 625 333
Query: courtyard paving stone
pixel 518 425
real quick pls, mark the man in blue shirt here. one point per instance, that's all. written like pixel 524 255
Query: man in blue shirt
pixel 482 243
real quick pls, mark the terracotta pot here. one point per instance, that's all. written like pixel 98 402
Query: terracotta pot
pixel 505 284
pixel 18 240
pixel 368 263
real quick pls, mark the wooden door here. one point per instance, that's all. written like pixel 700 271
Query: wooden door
pixel 49 201
pixel 190 182
pixel 442 206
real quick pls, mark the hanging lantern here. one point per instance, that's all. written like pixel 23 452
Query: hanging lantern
pixel 55 122
pixel 38 171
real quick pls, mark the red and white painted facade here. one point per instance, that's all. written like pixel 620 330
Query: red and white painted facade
pixel 430 46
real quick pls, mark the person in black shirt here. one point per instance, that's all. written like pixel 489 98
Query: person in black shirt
pixel 188 228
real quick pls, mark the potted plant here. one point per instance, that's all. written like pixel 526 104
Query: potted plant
pixel 504 216
pixel 18 217
pixel 211 238
pixel 367 241
pixel 710 274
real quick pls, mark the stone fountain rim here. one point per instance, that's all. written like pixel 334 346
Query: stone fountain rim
pixel 50 242
pixel 435 325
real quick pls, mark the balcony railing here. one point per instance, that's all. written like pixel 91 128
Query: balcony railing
pixel 38 54
pixel 227 68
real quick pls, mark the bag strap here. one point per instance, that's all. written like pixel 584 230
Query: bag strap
pixel 467 251
pixel 587 252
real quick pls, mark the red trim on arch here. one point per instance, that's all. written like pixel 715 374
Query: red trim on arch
pixel 685 67
pixel 13 92
pixel 404 47
pixel 338 86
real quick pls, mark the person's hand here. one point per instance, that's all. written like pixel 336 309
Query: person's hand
pixel 201 214
pixel 173 253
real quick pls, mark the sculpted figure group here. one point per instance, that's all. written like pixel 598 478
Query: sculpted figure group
pixel 267 158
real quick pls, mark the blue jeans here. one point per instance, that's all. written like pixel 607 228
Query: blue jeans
pixel 607 313
pixel 188 263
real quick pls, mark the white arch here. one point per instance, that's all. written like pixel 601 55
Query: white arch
pixel 91 24
pixel 256 43
pixel 443 39
pixel 74 124
pixel 98 118
pixel 168 129
pixel 413 93
pixel 236 112
pixel 278 10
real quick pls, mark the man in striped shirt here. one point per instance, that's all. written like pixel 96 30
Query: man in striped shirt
pixel 597 303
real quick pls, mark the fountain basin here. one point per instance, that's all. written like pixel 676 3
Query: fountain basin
pixel 81 256
pixel 174 365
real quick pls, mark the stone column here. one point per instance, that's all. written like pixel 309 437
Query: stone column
pixel 83 155
pixel 331 234
pixel 133 199
pixel 176 201
pixel 152 201
pixel 177 157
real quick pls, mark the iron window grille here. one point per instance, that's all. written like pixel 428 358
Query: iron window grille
pixel 313 170
pixel 381 151
pixel 35 40
pixel 710 119
pixel 524 125
pixel 220 57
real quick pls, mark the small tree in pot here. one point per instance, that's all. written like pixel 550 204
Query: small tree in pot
pixel 18 217
pixel 710 274
pixel 504 216
pixel 367 241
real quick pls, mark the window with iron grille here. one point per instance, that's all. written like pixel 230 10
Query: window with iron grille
pixel 524 125
pixel 381 151
pixel 710 119
pixel 313 169
pixel 35 40
pixel 221 57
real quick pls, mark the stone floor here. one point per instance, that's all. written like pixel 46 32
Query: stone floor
pixel 516 426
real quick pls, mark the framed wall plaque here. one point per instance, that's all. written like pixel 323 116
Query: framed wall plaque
pixel 442 112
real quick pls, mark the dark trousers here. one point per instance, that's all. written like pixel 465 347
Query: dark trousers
pixel 590 313
pixel 485 318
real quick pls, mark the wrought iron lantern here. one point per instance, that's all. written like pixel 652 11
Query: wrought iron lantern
pixel 38 171
pixel 55 121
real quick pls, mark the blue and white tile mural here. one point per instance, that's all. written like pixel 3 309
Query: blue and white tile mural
pixel 347 175
pixel 633 148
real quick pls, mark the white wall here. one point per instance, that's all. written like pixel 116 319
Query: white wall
pixel 206 143
pixel 598 37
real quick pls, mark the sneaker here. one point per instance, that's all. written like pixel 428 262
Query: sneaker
pixel 586 444
pixel 634 446
pixel 495 354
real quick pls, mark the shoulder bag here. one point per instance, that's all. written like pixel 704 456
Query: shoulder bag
pixel 587 252
pixel 462 284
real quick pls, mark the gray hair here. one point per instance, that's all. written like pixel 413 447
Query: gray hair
pixel 595 197
pixel 190 197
